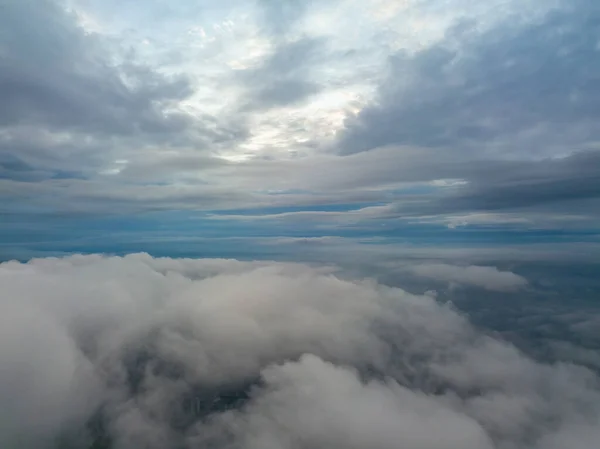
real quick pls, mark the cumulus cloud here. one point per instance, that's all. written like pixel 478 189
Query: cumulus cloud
pixel 486 277
pixel 145 352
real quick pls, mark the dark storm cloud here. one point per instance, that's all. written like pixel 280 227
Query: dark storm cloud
pixel 516 88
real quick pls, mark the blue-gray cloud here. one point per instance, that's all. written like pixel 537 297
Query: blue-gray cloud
pixel 280 15
pixel 517 89
pixel 300 115
pixel 285 77
pixel 53 73
pixel 73 100
pixel 554 184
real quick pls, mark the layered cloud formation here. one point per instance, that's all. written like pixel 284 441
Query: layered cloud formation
pixel 298 119
pixel 145 352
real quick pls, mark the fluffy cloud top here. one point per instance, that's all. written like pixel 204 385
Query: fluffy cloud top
pixel 154 353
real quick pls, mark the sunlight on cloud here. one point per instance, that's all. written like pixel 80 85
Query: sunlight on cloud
pixel 448 182
pixel 117 167
pixel 88 22
pixel 250 53
pixel 389 9
pixel 290 130
pixel 216 46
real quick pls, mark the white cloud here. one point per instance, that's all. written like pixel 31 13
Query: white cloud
pixel 334 363
pixel 332 407
pixel 486 277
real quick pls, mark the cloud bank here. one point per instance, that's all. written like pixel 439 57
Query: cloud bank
pixel 180 353
pixel 485 277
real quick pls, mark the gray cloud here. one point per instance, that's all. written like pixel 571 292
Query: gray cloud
pixel 521 86
pixel 280 16
pixel 267 354
pixel 74 101
pixel 284 77
pixel 54 74
pixel 526 85
pixel 569 185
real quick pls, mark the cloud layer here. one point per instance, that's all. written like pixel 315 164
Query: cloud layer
pixel 145 352
pixel 486 277
pixel 329 116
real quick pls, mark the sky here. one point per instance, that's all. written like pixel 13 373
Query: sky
pixel 255 128
pixel 296 224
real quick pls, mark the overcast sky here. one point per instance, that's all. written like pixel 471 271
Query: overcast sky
pixel 419 122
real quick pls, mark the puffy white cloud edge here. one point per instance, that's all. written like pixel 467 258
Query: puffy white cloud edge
pixel 333 363
pixel 489 278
